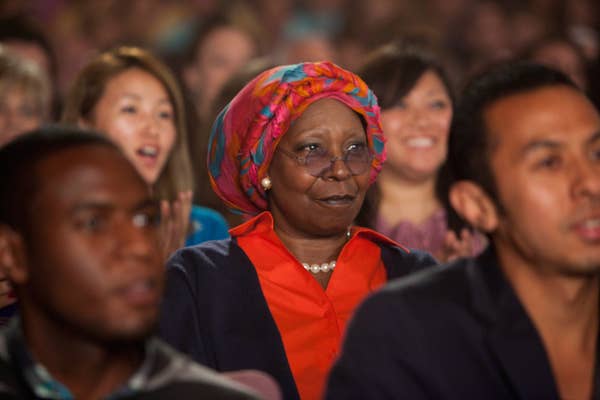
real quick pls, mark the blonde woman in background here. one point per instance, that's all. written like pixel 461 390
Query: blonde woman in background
pixel 24 96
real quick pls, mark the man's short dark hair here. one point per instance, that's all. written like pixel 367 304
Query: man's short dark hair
pixel 18 161
pixel 469 144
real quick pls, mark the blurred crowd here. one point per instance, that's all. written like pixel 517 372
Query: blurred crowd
pixel 205 42
pixel 198 94
pixel 470 32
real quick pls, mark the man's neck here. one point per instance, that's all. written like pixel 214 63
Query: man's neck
pixel 88 368
pixel 565 311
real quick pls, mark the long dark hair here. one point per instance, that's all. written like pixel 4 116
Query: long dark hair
pixel 391 72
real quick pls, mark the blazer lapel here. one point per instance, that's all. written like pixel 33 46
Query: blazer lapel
pixel 524 364
pixel 513 340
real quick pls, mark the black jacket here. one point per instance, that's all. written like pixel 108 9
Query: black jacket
pixel 214 309
pixel 454 332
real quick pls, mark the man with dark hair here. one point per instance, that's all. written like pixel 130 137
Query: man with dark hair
pixel 79 243
pixel 521 320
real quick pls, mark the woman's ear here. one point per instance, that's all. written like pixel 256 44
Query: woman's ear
pixel 12 256
pixel 474 205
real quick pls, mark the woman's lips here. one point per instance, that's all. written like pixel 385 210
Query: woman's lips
pixel 148 155
pixel 588 229
pixel 337 200
pixel 420 142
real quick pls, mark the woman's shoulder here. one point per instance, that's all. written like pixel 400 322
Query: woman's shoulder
pixel 221 257
pixel 211 251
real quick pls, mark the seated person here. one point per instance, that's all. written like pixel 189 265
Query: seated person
pixel 521 320
pixel 130 96
pixel 24 96
pixel 295 151
pixel 78 241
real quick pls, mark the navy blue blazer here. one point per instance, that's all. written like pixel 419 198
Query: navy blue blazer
pixel 455 332
pixel 214 309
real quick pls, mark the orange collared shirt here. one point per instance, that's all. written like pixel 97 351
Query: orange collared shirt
pixel 311 320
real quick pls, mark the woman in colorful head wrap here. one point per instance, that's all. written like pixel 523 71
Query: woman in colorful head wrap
pixel 295 151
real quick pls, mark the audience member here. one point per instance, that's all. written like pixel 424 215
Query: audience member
pixel 228 91
pixel 222 45
pixel 24 105
pixel 308 47
pixel 78 240
pixel 295 151
pixel 416 102
pixel 24 38
pixel 131 96
pixel 521 320
pixel 24 96
pixel 483 36
pixel 558 51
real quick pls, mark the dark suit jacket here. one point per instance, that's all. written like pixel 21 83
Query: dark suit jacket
pixel 454 332
pixel 214 309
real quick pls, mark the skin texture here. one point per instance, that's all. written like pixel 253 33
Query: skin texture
pixel 89 276
pixel 18 114
pixel 298 200
pixel 312 214
pixel 545 158
pixel 423 114
pixel 136 112
pixel 98 238
pixel 553 157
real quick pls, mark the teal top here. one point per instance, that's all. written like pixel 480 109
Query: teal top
pixel 206 224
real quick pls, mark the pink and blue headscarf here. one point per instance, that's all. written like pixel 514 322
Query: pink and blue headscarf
pixel 246 132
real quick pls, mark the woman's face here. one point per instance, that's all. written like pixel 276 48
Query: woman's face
pixel 306 205
pixel 220 55
pixel 135 111
pixel 19 113
pixel 417 129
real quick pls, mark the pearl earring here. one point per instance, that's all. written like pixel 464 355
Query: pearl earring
pixel 266 183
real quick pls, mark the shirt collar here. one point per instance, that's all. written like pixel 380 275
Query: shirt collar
pixel 42 383
pixel 263 222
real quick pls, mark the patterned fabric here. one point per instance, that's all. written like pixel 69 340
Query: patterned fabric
pixel 245 134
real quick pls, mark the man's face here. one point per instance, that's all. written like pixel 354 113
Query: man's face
pixel 92 256
pixel 546 164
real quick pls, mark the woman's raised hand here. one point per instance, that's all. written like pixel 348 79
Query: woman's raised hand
pixel 457 246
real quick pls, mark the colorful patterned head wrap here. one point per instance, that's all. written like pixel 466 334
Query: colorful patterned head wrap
pixel 247 131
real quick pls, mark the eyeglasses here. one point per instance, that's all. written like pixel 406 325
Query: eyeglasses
pixel 318 161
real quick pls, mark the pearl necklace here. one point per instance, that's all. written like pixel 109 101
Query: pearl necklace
pixel 316 268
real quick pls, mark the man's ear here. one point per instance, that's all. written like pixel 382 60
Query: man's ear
pixel 474 205
pixel 12 256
